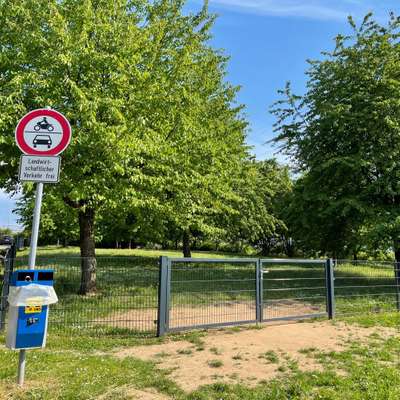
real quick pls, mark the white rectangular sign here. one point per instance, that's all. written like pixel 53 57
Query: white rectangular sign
pixel 39 169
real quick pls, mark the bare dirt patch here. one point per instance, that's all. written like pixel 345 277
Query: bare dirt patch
pixel 251 355
pixel 133 394
pixel 221 312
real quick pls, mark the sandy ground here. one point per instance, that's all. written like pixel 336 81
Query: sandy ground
pixel 183 316
pixel 242 355
pixel 133 394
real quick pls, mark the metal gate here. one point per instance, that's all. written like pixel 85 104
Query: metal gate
pixel 202 293
pixel 295 289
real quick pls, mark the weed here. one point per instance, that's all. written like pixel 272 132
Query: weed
pixel 185 351
pixel 215 351
pixel 282 368
pixel 308 350
pixel 162 354
pixel 270 356
pixel 215 363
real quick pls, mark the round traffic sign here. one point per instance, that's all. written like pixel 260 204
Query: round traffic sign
pixel 43 132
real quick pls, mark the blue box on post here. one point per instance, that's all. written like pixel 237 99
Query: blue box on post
pixel 27 324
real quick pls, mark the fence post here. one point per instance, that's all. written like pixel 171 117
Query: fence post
pixel 397 280
pixel 330 288
pixel 8 269
pixel 163 308
pixel 259 291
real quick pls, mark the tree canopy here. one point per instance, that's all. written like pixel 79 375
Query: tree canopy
pixel 343 135
pixel 158 139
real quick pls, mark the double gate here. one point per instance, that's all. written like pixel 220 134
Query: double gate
pixel 203 293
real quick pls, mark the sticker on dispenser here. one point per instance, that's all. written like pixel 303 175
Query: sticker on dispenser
pixel 33 309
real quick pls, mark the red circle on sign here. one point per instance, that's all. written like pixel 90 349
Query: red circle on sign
pixel 22 124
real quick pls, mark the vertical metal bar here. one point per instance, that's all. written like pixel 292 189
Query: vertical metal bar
pixel 21 367
pixel 32 262
pixel 261 291
pixel 330 288
pixel 162 295
pixel 397 280
pixel 259 311
pixel 35 225
pixel 168 295
pixel 8 268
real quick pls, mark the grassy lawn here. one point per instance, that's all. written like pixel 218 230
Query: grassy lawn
pixel 78 362
pixel 74 252
pixel 84 368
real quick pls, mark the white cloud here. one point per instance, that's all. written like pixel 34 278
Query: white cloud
pixel 314 9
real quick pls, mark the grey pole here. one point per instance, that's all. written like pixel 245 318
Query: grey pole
pixel 330 288
pixel 35 225
pixel 21 367
pixel 259 291
pixel 32 262
pixel 162 296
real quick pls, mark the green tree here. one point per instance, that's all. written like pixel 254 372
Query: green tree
pixel 154 128
pixel 58 221
pixel 344 135
pixel 255 218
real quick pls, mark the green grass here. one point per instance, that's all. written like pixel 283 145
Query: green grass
pixel 80 367
pixel 72 251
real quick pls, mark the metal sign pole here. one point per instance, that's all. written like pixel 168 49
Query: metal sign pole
pixel 32 262
pixel 41 135
pixel 35 225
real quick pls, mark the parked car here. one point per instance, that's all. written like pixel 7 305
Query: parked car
pixel 6 240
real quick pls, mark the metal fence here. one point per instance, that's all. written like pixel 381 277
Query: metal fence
pixel 366 287
pixel 125 300
pixel 147 296
pixel 6 266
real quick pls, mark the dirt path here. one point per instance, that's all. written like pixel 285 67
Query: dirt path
pixel 251 355
pixel 221 312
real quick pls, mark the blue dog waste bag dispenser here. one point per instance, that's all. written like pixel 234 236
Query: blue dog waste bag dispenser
pixel 31 293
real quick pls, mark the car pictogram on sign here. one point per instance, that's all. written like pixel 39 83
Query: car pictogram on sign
pixel 42 140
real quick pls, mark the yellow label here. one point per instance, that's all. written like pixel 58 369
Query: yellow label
pixel 33 309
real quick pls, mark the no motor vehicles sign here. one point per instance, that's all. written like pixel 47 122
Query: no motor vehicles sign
pixel 43 132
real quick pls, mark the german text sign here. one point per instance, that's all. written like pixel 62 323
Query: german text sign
pixel 39 169
pixel 43 132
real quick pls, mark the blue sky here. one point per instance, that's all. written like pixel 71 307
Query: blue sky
pixel 269 42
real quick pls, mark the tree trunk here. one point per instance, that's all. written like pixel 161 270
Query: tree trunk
pixel 397 250
pixel 186 245
pixel 88 256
